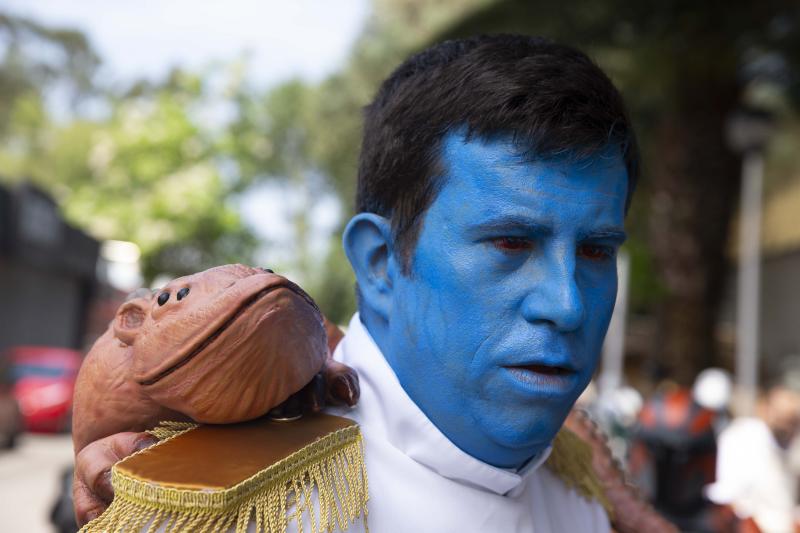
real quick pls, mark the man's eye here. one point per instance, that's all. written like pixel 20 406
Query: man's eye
pixel 512 244
pixel 595 252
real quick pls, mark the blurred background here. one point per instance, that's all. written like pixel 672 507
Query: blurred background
pixel 141 141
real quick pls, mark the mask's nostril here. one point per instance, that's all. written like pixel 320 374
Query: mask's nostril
pixel 162 298
pixel 183 293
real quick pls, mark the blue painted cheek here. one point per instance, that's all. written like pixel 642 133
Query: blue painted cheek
pixel 599 288
pixel 449 302
pixel 600 297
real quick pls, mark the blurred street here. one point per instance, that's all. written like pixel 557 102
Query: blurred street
pixel 29 479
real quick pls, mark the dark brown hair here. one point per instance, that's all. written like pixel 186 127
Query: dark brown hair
pixel 552 100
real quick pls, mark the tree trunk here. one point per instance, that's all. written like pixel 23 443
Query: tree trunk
pixel 695 181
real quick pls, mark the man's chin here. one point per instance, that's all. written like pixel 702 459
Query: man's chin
pixel 524 436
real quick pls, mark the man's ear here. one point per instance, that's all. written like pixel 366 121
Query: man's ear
pixel 129 319
pixel 369 247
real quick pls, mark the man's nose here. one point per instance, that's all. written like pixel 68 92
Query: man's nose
pixel 556 298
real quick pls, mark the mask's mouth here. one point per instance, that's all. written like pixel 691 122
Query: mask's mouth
pixel 242 309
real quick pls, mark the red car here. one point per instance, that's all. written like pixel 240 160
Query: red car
pixel 43 381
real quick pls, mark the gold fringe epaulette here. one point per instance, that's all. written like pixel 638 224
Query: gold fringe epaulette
pixel 170 428
pixel 571 462
pixel 322 482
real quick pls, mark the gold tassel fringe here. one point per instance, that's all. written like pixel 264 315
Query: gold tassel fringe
pixel 571 461
pixel 333 466
pixel 167 429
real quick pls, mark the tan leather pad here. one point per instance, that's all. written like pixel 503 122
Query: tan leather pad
pixel 220 456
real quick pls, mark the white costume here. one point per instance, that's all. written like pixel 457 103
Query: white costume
pixel 754 477
pixel 421 482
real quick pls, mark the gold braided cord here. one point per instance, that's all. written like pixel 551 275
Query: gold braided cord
pixel 333 466
pixel 571 461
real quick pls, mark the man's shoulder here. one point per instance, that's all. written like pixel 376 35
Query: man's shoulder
pixel 568 505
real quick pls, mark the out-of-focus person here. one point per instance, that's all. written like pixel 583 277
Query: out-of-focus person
pixel 672 457
pixel 713 390
pixel 615 412
pixel 753 474
pixel 62 513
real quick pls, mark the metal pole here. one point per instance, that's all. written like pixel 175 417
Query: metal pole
pixel 610 377
pixel 748 282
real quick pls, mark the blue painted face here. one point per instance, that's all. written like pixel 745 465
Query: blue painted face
pixel 498 327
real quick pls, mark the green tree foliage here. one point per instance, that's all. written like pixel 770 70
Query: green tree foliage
pixel 36 58
pixel 148 170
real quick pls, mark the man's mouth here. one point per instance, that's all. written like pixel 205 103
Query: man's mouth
pixel 544 378
pixel 545 369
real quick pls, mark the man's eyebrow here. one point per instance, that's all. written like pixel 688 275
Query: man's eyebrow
pixel 512 222
pixel 531 225
pixel 611 233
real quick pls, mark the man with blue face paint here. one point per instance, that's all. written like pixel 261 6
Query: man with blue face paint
pixel 494 178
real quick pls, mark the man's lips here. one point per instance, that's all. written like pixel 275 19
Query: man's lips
pixel 544 378
pixel 549 370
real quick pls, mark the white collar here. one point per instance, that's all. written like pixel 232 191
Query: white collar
pixel 409 430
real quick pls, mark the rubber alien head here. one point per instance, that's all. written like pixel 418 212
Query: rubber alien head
pixel 497 326
pixel 230 328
